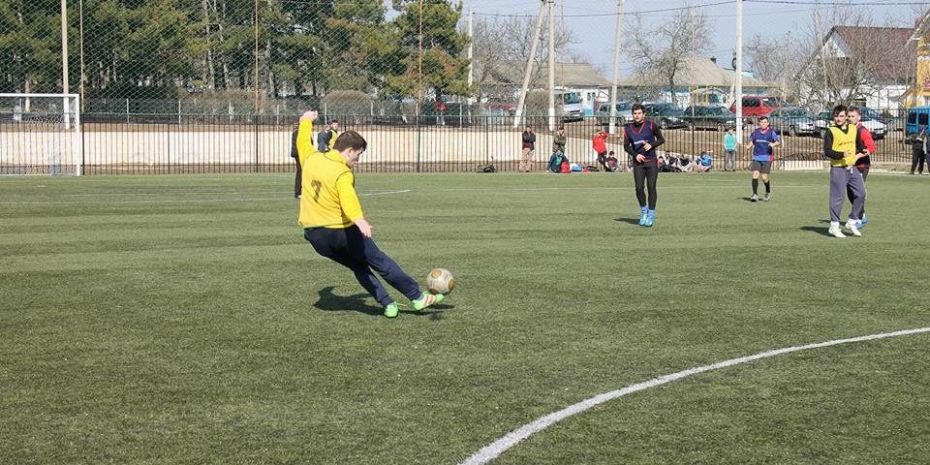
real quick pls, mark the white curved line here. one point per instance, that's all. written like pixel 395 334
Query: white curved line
pixel 496 448
pixel 386 192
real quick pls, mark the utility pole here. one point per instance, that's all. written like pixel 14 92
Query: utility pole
pixel 81 33
pixel 255 79
pixel 471 55
pixel 529 65
pixel 64 62
pixel 739 71
pixel 551 65
pixel 613 87
pixel 420 63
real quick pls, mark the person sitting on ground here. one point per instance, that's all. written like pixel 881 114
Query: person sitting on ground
pixel 611 163
pixel 704 162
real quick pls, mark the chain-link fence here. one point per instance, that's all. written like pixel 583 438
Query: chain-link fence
pixel 217 85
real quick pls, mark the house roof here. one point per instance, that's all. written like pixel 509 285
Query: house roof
pixel 510 73
pixel 696 72
pixel 887 52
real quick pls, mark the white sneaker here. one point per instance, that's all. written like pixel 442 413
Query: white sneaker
pixel 835 230
pixel 853 227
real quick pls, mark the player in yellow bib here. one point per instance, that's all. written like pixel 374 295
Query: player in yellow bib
pixel 843 145
pixel 335 225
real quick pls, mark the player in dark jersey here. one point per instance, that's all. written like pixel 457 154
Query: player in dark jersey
pixel 641 138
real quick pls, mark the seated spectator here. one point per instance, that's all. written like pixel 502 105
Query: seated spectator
pixel 611 163
pixel 704 162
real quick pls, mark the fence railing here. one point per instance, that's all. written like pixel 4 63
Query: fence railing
pixel 114 143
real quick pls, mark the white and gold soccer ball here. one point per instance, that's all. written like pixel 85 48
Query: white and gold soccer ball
pixel 440 281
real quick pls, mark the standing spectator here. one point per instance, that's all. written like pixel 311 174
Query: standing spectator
pixel 440 111
pixel 559 140
pixel 529 146
pixel 920 150
pixel 599 144
pixel 763 141
pixel 296 156
pixel 328 136
pixel 729 147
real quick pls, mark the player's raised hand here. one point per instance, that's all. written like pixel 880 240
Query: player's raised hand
pixel 310 115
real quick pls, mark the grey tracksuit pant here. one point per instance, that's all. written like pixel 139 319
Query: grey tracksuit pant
pixel 841 179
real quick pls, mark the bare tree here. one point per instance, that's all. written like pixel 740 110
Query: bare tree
pixel 503 45
pixel 849 57
pixel 663 53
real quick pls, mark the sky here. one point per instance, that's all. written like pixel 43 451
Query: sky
pixel 595 35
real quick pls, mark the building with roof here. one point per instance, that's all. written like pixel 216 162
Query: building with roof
pixel 502 81
pixel 700 81
pixel 919 92
pixel 862 64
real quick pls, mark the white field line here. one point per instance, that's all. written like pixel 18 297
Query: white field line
pixel 498 447
pixel 369 194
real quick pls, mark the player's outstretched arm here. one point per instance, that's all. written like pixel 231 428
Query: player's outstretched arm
pixel 305 146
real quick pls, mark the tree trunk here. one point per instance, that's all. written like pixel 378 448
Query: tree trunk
pixel 219 26
pixel 210 78
pixel 271 84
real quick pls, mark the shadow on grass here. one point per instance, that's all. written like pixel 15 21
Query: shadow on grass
pixel 330 302
pixel 628 220
pixel 817 229
pixel 749 199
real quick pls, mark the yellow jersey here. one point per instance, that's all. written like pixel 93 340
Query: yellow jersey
pixel 328 198
pixel 844 141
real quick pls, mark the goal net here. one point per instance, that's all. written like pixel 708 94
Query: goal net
pixel 40 134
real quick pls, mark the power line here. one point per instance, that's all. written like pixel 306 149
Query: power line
pixel 835 3
pixel 626 13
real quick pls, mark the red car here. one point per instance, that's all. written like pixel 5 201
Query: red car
pixel 758 105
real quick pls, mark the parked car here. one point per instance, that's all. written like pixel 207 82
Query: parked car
pixel 668 116
pixel 624 113
pixel 876 127
pixel 792 121
pixel 757 105
pixel 917 118
pixel 717 118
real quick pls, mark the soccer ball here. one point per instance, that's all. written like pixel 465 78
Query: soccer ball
pixel 440 281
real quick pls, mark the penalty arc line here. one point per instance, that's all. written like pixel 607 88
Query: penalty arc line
pixel 498 447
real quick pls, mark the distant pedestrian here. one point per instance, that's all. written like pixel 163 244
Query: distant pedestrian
pixel 729 147
pixel 440 111
pixel 559 140
pixel 599 144
pixel 328 136
pixel 529 146
pixel 920 151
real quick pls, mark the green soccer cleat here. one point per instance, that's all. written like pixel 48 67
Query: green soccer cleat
pixel 427 300
pixel 391 310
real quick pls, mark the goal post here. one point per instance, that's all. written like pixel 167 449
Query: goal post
pixel 40 134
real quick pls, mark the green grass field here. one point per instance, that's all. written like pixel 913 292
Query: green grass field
pixel 184 320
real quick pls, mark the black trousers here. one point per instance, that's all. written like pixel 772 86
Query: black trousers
pixel 917 160
pixel 646 174
pixel 351 249
pixel 297 178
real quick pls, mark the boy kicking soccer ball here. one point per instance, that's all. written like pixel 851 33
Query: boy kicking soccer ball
pixel 334 224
